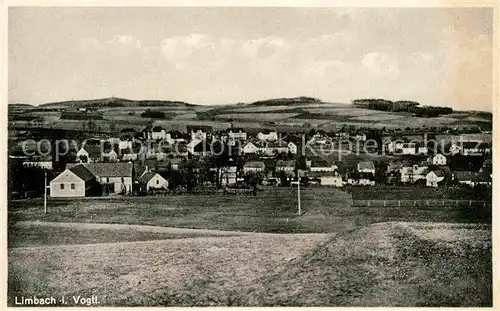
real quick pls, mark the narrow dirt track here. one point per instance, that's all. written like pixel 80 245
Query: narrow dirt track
pixel 183 233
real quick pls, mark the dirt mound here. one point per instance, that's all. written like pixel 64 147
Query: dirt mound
pixel 389 264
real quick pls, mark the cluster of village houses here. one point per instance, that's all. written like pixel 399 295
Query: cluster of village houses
pixel 121 166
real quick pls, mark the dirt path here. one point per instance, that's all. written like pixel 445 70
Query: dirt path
pixel 168 232
pixel 142 228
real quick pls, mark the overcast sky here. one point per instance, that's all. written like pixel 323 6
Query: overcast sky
pixel 225 55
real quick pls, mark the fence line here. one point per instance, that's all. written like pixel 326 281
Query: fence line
pixel 427 202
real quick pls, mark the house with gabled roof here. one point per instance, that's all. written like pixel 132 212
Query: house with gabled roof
pixel 89 152
pixel 113 177
pixel 77 181
pixel 250 148
pixel 439 159
pixel 152 181
pixel 433 178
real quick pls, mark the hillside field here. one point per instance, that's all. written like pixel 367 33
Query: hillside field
pixel 299 112
pixel 383 264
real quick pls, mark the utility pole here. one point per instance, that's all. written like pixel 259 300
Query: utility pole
pixel 298 193
pixel 45 194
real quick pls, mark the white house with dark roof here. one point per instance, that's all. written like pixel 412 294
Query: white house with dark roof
pixel 77 181
pixel 152 180
pixel 439 159
pixel 433 178
pixel 114 177
pixel 250 148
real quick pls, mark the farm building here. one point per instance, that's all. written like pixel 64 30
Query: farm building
pixel 366 167
pixel 152 180
pixel 76 181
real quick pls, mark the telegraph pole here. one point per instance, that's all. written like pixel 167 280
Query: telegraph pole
pixel 298 194
pixel 45 194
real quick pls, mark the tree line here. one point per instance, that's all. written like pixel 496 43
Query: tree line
pixel 402 106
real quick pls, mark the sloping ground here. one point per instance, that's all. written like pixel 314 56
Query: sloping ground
pixel 199 271
pixel 385 264
pixel 390 264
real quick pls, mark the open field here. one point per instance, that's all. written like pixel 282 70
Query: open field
pixel 344 111
pixel 378 117
pixel 291 113
pixel 294 121
pixel 37 233
pixel 384 264
pixel 257 116
pixel 272 210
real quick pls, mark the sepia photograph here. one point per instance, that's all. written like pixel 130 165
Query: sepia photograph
pixel 249 156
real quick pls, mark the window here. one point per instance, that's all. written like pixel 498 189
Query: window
pixel 157 182
pixel 62 186
pixel 72 186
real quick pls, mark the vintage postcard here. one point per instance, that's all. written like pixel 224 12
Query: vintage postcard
pixel 321 155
